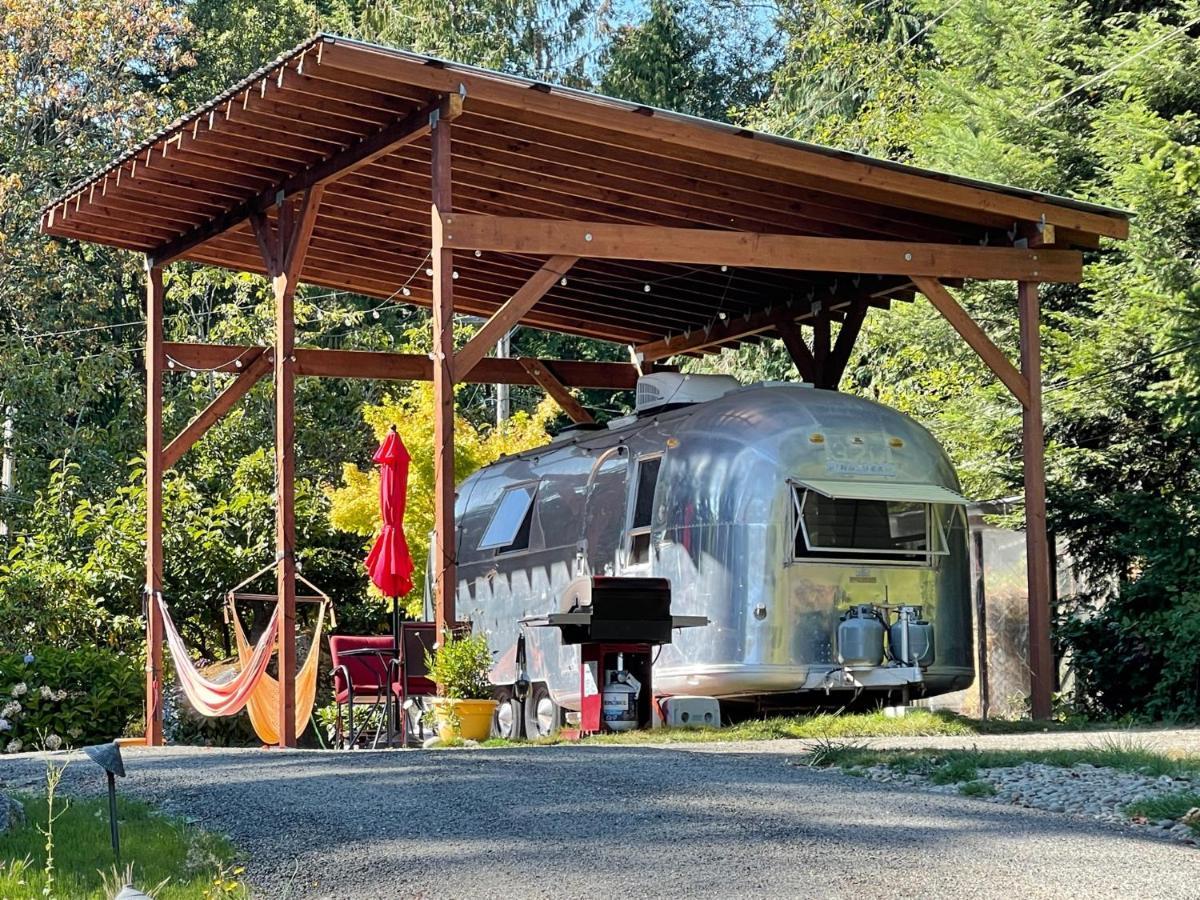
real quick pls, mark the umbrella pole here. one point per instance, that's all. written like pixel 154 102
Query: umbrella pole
pixel 394 711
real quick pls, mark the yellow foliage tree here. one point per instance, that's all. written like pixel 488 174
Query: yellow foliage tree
pixel 355 504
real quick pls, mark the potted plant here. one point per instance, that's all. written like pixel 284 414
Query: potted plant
pixel 464 709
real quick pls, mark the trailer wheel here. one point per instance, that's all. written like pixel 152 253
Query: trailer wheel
pixel 509 719
pixel 543 716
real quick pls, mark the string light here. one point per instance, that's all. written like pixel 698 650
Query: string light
pixel 478 253
pixel 454 276
pixel 429 273
pixel 563 282
pixel 646 288
pixel 405 291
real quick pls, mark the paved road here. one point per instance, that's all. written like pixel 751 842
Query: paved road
pixel 627 822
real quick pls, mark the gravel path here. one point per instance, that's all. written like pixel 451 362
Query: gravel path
pixel 636 822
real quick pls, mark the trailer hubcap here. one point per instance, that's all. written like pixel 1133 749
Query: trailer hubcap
pixel 545 716
pixel 505 720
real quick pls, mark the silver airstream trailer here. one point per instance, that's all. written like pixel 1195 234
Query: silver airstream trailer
pixel 821 534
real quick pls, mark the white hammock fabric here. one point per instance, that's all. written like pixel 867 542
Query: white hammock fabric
pixel 207 697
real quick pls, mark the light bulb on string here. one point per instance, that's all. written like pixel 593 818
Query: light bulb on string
pixel 478 253
pixel 429 272
pixel 454 276
pixel 646 288
pixel 374 314
pixel 563 282
pixel 405 291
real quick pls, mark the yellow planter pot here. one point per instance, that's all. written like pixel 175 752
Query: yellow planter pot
pixel 473 718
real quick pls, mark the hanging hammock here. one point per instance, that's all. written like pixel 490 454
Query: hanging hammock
pixel 263 703
pixel 207 697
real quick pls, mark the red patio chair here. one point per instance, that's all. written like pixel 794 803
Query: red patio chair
pixel 361 668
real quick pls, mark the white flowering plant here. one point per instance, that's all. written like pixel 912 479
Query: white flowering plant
pixel 53 698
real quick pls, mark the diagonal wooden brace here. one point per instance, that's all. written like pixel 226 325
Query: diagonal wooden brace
pixel 551 385
pixel 962 322
pixel 789 332
pixel 510 313
pixel 839 356
pixel 259 365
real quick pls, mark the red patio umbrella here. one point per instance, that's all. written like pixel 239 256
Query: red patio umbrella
pixel 389 561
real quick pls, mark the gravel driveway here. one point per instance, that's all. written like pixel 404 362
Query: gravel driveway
pixel 584 821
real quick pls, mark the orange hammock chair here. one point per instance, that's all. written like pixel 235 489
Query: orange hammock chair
pixel 262 703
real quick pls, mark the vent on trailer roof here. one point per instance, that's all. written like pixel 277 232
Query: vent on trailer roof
pixel 674 389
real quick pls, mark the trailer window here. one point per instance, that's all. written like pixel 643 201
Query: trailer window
pixel 889 530
pixel 643 510
pixel 509 527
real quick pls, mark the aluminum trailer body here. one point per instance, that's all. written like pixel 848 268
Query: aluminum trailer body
pixel 747 504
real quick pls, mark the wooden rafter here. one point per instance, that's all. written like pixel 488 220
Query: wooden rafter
pixel 962 322
pixel 508 315
pixel 551 385
pixel 358 154
pixel 697 246
pixel 258 366
pixel 853 175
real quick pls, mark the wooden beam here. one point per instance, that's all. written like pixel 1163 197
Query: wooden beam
pixel 962 322
pixel 839 356
pixel 445 534
pixel 723 332
pixel 155 365
pixel 1037 544
pixel 699 246
pixel 555 388
pixel 361 153
pixel 259 365
pixel 508 315
pixel 789 332
pixel 373 364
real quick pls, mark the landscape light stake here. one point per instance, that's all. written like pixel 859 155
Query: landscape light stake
pixel 108 757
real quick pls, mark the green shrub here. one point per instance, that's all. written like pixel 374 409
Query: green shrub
pixel 52 698
pixel 461 667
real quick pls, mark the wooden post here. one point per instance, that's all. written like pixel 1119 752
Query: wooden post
pixel 1037 548
pixel 981 638
pixel 821 340
pixel 445 540
pixel 155 364
pixel 284 248
pixel 285 494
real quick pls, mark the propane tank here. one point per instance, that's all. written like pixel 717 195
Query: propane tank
pixel 860 637
pixel 619 699
pixel 911 638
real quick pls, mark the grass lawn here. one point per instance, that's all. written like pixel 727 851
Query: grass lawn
pixel 915 723
pixel 956 766
pixel 185 861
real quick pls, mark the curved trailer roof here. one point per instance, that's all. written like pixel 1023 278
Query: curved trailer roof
pixel 333 108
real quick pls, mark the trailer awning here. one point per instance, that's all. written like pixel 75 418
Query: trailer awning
pixel 896 492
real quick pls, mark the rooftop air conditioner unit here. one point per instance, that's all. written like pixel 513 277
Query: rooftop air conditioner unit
pixel 674 388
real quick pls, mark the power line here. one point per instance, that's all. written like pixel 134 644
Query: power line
pixel 1123 62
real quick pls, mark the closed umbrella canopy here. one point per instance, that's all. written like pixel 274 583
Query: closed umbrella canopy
pixel 389 562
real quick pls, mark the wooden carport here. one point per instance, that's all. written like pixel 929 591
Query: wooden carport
pixel 412 179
